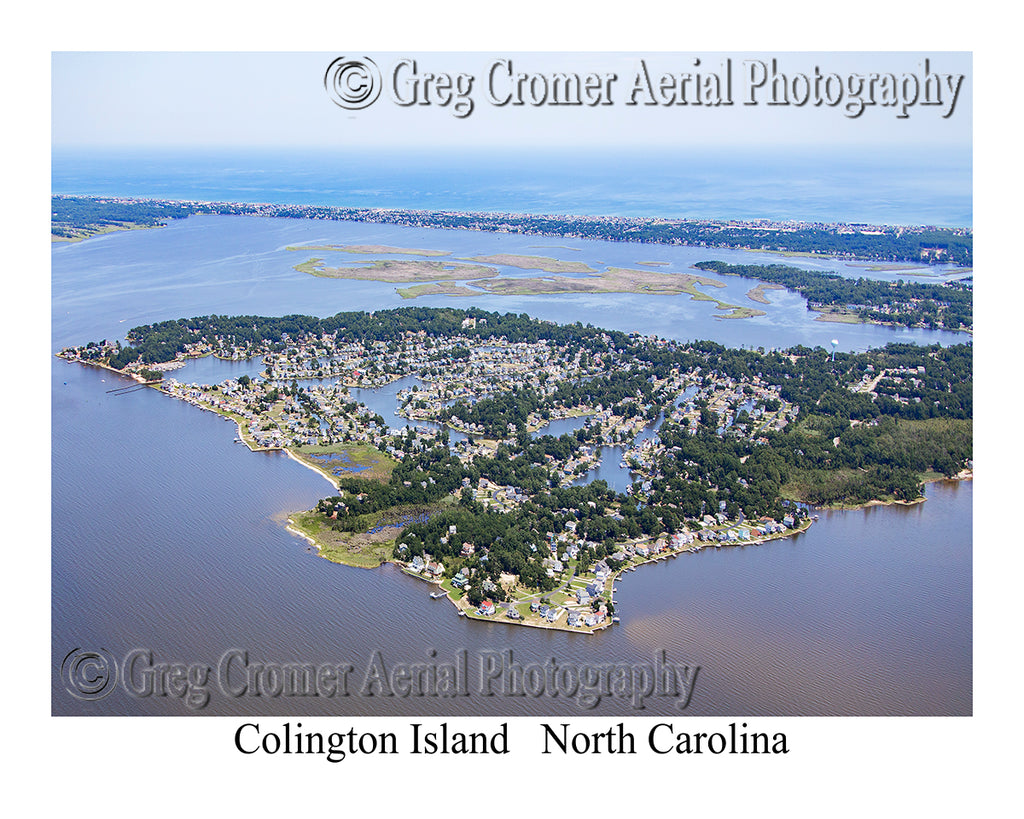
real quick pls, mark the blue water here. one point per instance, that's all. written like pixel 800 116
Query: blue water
pixel 871 186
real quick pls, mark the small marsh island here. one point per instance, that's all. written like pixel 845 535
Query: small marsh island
pixel 502 518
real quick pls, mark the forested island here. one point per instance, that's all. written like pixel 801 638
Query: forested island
pixel 473 495
pixel 76 216
pixel 948 306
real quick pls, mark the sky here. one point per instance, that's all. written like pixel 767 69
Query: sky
pixel 174 99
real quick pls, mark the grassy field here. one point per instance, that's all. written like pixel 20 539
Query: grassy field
pixel 355 461
pixel 436 279
pixel 372 542
pixel 612 280
pixel 360 550
pixel 399 271
pixel 97 230
pixel 435 289
pixel 545 263
pixel 757 293
pixel 838 315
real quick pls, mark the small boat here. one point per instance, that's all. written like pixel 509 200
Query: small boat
pixel 435 595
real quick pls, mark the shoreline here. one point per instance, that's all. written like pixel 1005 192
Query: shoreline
pixel 558 625
pixel 671 231
pixel 316 469
pixel 632 565
pixel 962 475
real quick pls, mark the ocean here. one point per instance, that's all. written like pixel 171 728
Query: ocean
pixel 826 185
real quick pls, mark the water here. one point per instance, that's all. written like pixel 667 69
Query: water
pixel 240 265
pixel 921 187
pixel 166 536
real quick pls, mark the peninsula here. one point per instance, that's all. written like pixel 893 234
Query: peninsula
pixel 472 493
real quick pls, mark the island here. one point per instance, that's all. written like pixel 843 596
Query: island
pixel 389 270
pixel 946 306
pixel 473 494
pixel 879 243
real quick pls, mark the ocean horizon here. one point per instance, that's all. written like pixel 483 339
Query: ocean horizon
pixel 885 187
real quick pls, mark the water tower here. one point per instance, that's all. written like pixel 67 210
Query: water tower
pixel 835 341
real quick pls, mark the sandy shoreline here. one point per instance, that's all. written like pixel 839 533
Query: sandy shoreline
pixel 316 469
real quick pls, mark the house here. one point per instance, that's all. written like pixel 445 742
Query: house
pixel 487 608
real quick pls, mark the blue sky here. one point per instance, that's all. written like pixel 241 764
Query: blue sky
pixel 266 100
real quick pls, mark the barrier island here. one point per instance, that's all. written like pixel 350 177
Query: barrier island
pixel 473 495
